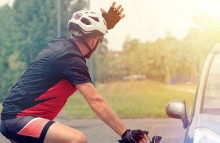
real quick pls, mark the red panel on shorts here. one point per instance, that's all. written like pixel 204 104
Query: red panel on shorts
pixel 34 128
pixel 57 97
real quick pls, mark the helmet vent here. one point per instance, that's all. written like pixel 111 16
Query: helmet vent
pixel 85 21
pixel 95 18
pixel 77 15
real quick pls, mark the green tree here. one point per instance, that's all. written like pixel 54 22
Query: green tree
pixel 25 29
pixel 6 42
pixel 165 59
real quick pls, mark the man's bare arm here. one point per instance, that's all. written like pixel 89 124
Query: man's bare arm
pixel 101 107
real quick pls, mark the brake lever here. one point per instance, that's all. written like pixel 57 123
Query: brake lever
pixel 156 139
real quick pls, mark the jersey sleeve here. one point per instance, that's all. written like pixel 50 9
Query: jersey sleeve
pixel 75 70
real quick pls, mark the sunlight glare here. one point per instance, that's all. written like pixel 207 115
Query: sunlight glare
pixel 211 8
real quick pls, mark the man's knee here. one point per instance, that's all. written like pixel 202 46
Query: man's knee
pixel 81 138
pixel 62 133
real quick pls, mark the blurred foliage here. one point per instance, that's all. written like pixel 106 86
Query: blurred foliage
pixel 25 29
pixel 169 60
pixel 134 99
pixel 28 25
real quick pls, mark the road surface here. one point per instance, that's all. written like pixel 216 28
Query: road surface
pixel 97 132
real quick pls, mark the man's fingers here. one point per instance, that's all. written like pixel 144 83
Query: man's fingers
pixel 145 139
pixel 118 8
pixel 121 10
pixel 122 16
pixel 141 141
pixel 113 4
pixel 102 10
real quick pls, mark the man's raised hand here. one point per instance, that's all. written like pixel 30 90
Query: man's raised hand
pixel 113 16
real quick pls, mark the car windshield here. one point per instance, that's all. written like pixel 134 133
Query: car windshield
pixel 212 94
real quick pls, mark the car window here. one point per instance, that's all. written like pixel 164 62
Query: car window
pixel 211 103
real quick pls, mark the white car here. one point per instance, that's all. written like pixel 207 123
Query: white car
pixel 203 125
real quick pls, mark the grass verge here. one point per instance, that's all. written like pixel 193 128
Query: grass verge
pixel 133 99
pixel 0 108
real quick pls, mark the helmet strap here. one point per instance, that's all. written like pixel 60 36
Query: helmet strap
pixel 88 47
pixel 81 39
pixel 91 50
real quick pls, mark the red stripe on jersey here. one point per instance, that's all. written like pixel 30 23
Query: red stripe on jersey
pixel 57 96
pixel 34 128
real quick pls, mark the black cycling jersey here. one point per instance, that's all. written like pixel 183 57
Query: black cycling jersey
pixel 47 83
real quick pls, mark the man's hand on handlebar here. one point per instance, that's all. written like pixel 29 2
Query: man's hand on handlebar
pixel 134 136
pixel 138 136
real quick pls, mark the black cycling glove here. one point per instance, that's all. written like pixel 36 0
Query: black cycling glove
pixel 132 136
pixel 112 17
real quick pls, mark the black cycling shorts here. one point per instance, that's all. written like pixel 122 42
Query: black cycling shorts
pixel 26 129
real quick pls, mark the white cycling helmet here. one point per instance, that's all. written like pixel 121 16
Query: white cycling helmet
pixel 87 23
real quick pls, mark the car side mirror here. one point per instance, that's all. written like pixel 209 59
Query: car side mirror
pixel 177 109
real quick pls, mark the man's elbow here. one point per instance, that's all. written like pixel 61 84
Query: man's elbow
pixel 96 102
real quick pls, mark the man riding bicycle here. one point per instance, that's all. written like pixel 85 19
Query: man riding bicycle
pixel 56 73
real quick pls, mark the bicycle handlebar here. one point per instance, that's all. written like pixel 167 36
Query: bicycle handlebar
pixel 155 139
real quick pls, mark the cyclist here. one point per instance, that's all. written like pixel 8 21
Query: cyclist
pixel 56 73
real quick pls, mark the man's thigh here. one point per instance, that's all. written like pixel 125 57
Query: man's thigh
pixel 59 133
pixel 26 129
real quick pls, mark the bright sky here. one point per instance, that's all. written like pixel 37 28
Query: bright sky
pixel 152 19
pixel 3 2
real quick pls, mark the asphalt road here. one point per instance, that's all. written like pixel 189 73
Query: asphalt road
pixel 97 132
